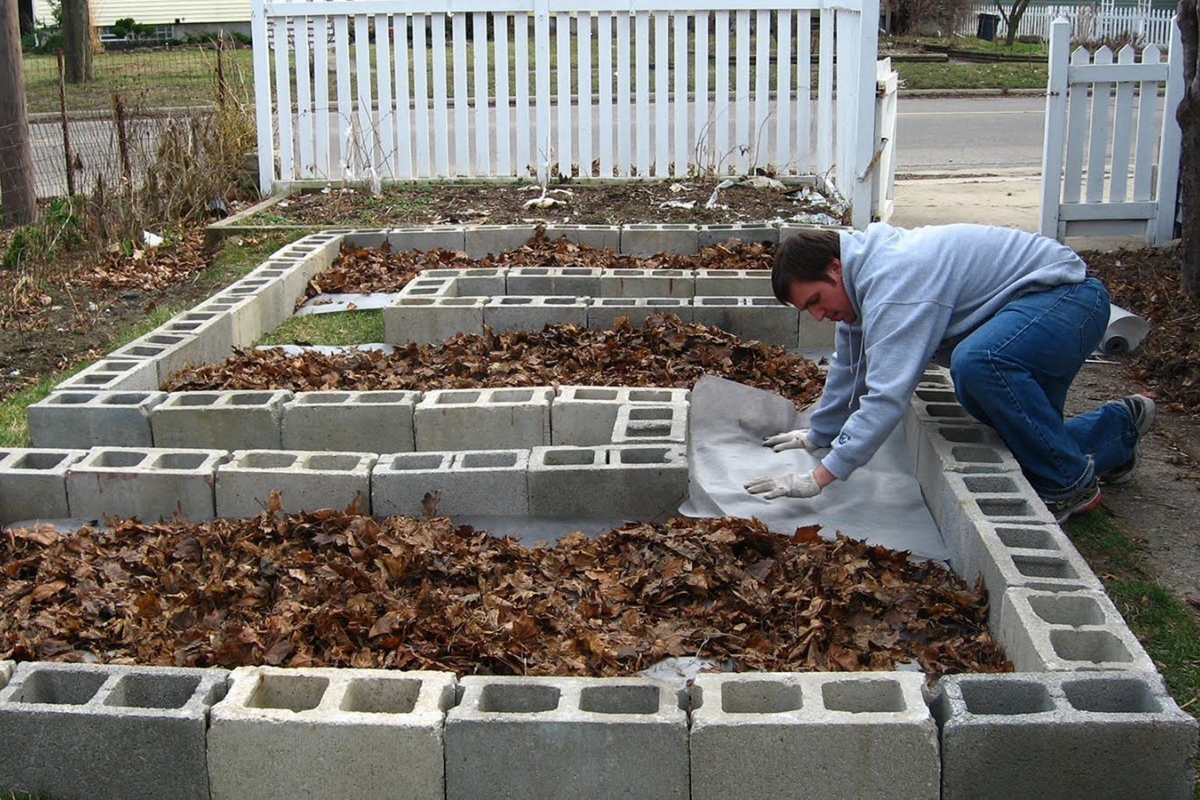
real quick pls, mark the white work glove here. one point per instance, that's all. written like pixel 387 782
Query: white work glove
pixel 791 440
pixel 793 484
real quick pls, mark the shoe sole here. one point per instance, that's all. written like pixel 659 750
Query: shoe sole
pixel 1150 411
pixel 1088 506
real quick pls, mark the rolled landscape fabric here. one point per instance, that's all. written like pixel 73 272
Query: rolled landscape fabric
pixel 1124 333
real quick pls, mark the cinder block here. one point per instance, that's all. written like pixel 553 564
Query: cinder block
pixel 719 234
pixel 276 301
pixel 566 737
pixel 224 420
pixel 640 481
pixel 212 330
pixel 86 419
pixel 431 319
pixel 832 735
pixel 359 237
pixel 733 283
pixel 585 416
pixel 244 322
pixel 33 483
pixel 149 483
pixel 760 319
pixel 965 449
pixel 483 419
pixel 167 352
pixel 107 731
pixel 113 374
pixel 475 281
pixel 425 286
pixel 446 237
pixel 649 240
pixel 645 283
pixel 534 313
pixel 1089 735
pixel 365 422
pixel 554 281
pixel 603 311
pixel 487 240
pixel 600 237
pixel 285 733
pixel 490 482
pixel 1067 631
pixel 306 481
pixel 644 423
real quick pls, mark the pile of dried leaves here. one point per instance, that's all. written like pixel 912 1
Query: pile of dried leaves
pixel 150 269
pixel 338 589
pixel 664 352
pixel 380 269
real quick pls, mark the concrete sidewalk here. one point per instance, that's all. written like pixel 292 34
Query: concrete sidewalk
pixel 1009 198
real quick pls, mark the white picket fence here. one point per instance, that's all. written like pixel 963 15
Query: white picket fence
pixel 373 90
pixel 1111 161
pixel 1089 22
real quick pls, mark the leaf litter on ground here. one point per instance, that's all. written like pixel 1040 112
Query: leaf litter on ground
pixel 335 588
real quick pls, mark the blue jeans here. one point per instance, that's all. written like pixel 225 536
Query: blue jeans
pixel 1013 372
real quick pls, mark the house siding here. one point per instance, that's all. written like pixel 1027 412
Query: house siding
pixel 170 12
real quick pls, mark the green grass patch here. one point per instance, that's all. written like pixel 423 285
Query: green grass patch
pixel 999 75
pixel 336 328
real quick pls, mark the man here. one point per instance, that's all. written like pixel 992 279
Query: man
pixel 1016 313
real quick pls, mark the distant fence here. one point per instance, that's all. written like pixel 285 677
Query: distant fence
pixel 1089 23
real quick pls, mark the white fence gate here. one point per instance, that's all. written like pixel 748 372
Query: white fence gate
pixel 372 90
pixel 882 168
pixel 1110 140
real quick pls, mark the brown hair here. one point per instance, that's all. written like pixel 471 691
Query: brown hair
pixel 804 257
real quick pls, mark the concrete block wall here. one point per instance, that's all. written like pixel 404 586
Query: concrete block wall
pixel 107 731
pixel 845 735
pixel 566 737
pixel 114 373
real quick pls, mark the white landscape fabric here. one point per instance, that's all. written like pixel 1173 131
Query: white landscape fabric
pixel 880 502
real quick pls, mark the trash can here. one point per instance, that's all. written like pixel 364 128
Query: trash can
pixel 988 23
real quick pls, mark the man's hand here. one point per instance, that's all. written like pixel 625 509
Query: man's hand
pixel 791 440
pixel 793 484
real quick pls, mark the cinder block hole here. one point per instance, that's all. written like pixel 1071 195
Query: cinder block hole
pixel 322 398
pixel 153 691
pixel 576 271
pixel 380 398
pixel 456 398
pixel 480 273
pixel 514 699
pixel 1004 507
pixel 767 301
pixel 717 301
pixel 619 699
pixel 382 696
pixel 422 291
pixel 674 302
pixel 143 351
pixel 179 461
pixel 861 697
pixel 96 380
pixel 295 692
pixel 936 396
pixel 944 410
pixel 989 483
pixel 642 455
pixel 1063 609
pixel 1026 538
pixel 124 399
pixel 250 398
pixel 668 273
pixel 333 463
pixel 975 455
pixel 1034 567
pixel 109 458
pixel 195 399
pixel 650 413
pixel 268 460
pixel 115 365
pixel 1005 697
pixel 164 339
pixel 492 460
pixel 1096 647
pixel 412 462
pixel 760 697
pixel 460 301
pixel 1112 696
pixel 70 398
pixel 224 305
pixel 563 458
pixel 653 430
pixel 415 301
pixel 53 687
pixel 242 291
pixel 936 377
pixel 512 396
pixel 616 301
pixel 962 435
pixel 534 271
pixel 199 316
pixel 649 396
pixel 516 301
pixel 38 461
pixel 184 326
pixel 596 394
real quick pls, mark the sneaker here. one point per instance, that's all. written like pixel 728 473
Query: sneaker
pixel 1087 498
pixel 1143 411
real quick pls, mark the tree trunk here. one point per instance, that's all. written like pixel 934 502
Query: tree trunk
pixel 77 40
pixel 1188 115
pixel 18 201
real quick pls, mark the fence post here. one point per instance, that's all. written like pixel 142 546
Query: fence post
pixel 262 98
pixel 62 110
pixel 1055 131
pixel 862 151
pixel 1170 145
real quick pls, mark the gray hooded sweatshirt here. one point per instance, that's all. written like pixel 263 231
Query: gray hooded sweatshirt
pixel 914 292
